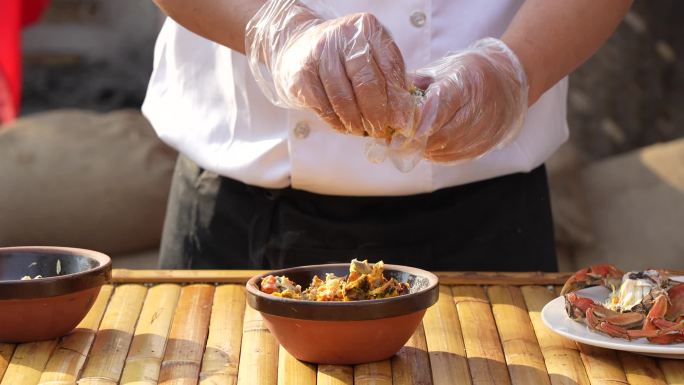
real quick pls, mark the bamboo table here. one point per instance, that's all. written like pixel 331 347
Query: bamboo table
pixel 190 327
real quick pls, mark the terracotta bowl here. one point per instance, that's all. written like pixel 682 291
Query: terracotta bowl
pixel 48 307
pixel 344 333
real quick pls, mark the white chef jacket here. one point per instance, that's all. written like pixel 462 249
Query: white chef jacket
pixel 203 101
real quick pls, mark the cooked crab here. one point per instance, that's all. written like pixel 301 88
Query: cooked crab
pixel 641 304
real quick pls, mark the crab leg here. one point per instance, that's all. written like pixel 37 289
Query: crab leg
pixel 654 323
pixel 605 326
pixel 606 275
pixel 656 328
pixel 577 306
pixel 600 318
pixel 672 334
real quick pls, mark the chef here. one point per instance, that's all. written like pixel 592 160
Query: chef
pixel 412 131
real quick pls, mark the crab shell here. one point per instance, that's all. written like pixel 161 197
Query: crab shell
pixel 675 312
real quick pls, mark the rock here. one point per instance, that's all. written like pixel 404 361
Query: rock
pixel 636 206
pixel 83 179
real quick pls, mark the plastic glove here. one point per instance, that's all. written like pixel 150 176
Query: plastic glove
pixel 475 101
pixel 348 69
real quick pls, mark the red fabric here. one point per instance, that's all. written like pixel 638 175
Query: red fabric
pixel 14 14
pixel 31 10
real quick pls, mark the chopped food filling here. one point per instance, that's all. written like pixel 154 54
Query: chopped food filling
pixel 364 281
pixel 28 277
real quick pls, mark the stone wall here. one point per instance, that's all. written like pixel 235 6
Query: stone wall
pixel 631 93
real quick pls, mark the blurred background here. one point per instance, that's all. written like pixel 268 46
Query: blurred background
pixel 80 166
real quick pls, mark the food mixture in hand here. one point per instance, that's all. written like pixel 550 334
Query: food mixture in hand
pixel 364 281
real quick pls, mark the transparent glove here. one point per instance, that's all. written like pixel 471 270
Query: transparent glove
pixel 475 101
pixel 348 70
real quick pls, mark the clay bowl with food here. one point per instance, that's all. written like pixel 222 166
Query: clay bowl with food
pixel 46 291
pixel 344 332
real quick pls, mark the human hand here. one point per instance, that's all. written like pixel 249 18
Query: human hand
pixel 348 70
pixel 475 100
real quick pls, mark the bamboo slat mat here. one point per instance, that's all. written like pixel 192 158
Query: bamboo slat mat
pixel 154 327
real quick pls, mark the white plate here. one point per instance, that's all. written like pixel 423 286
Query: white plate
pixel 555 317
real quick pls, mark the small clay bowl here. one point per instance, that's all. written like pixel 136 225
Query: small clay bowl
pixel 48 307
pixel 344 333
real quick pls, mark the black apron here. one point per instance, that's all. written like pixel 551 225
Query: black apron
pixel 501 224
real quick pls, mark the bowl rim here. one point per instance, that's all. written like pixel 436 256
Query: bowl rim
pixel 340 310
pixel 57 285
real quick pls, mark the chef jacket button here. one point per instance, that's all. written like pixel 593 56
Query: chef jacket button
pixel 302 130
pixel 418 19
